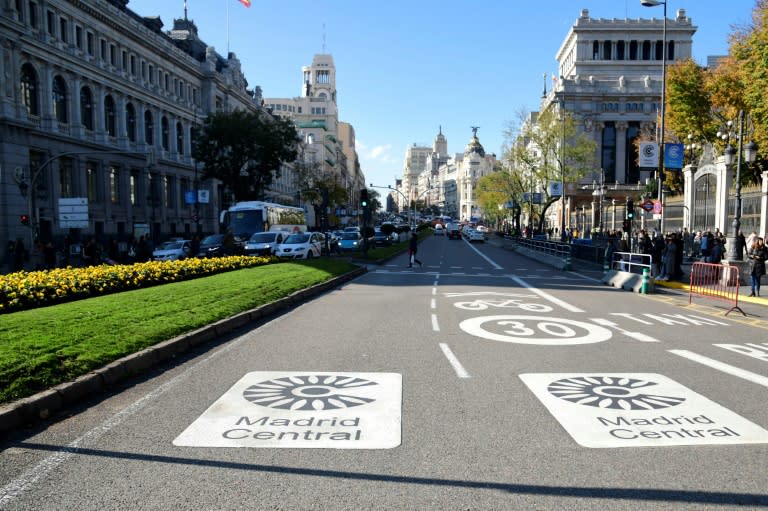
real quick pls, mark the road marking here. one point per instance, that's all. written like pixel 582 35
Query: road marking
pixel 432 304
pixel 490 261
pixel 460 371
pixel 533 329
pixel 722 366
pixel 435 326
pixel 434 291
pixel 638 336
pixel 758 351
pixel 303 410
pixel 606 410
pixel 546 296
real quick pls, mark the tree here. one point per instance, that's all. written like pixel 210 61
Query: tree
pixel 547 147
pixel 245 150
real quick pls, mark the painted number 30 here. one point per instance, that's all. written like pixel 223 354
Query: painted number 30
pixel 535 330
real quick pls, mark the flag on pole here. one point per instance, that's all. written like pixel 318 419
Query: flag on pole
pixel 246 3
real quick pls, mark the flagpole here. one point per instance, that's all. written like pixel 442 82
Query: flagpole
pixel 227 28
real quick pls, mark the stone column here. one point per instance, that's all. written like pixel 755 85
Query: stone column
pixel 724 181
pixel 688 196
pixel 763 204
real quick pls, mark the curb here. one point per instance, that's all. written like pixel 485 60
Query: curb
pixel 43 404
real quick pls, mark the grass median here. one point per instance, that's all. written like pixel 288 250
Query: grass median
pixel 40 348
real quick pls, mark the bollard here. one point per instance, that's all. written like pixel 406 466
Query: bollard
pixel 567 262
pixel 605 266
pixel 644 288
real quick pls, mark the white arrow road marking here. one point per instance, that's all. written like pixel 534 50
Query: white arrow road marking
pixel 638 336
pixel 722 366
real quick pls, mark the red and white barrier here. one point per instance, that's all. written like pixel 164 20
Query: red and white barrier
pixel 715 281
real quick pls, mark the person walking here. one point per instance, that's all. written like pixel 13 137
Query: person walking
pixel 757 256
pixel 413 244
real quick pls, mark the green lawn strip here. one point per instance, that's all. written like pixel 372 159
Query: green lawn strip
pixel 42 347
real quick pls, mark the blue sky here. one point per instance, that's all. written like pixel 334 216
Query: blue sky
pixel 405 68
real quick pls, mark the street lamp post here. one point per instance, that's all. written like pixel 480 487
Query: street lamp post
pixel 750 153
pixel 660 138
pixel 562 170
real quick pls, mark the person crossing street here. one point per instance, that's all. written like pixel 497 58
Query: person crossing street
pixel 413 244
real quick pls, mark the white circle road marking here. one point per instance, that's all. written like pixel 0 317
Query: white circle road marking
pixel 525 330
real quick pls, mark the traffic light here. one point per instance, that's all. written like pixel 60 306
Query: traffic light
pixel 24 219
pixel 364 198
pixel 627 225
pixel 630 209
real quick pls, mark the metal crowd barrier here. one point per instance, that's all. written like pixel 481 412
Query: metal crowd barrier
pixel 632 262
pixel 555 248
pixel 716 281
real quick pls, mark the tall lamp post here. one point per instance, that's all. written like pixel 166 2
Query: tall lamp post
pixel 750 153
pixel 660 138
pixel 562 170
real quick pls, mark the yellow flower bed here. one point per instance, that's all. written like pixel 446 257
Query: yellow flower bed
pixel 25 290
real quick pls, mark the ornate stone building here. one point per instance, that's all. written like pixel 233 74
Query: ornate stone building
pixel 99 106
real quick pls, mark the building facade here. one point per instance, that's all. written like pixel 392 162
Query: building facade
pixel 99 107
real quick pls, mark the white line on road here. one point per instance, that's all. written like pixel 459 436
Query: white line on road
pixel 546 296
pixel 490 261
pixel 435 326
pixel 722 366
pixel 432 304
pixel 460 371
pixel 638 336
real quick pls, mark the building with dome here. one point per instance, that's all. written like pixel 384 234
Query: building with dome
pixel 445 181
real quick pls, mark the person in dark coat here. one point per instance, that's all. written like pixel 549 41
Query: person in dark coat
pixel 413 245
pixel 757 256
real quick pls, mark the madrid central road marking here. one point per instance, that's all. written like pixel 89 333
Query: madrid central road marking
pixel 604 410
pixel 303 410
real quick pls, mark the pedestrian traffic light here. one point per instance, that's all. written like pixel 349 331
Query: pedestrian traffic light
pixel 364 198
pixel 24 219
pixel 630 209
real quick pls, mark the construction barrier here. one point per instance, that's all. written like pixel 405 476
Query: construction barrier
pixel 715 281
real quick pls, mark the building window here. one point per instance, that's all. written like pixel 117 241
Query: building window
pixel 59 91
pixel 89 46
pixel 607 46
pixel 595 50
pixel 620 50
pixel 323 76
pixel 66 177
pixel 671 50
pixel 29 90
pixel 63 29
pixel 608 150
pixel 167 198
pixel 631 155
pixel 103 50
pixel 113 55
pixel 633 50
pixel 164 133
pixel 133 65
pixel 151 74
pixel 124 60
pixel 79 37
pixel 114 185
pixel 179 138
pixel 130 122
pixel 149 128
pixel 109 116
pixel 133 192
pixel 86 108
pixel 91 182
pixel 646 50
pixel 51 18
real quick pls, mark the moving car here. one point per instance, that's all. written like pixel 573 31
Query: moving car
pixel 379 238
pixel 172 251
pixel 454 233
pixel 350 241
pixel 475 235
pixel 439 230
pixel 264 243
pixel 302 245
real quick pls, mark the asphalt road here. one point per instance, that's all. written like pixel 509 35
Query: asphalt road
pixel 484 380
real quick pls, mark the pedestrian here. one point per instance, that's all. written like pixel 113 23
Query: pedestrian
pixel 757 256
pixel 412 249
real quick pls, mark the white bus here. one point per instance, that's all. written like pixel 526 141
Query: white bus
pixel 246 218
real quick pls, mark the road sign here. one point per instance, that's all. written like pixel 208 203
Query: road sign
pixel 657 207
pixel 647 205
pixel 638 410
pixel 73 213
pixel 330 410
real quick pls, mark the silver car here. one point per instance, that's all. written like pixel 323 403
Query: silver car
pixel 264 243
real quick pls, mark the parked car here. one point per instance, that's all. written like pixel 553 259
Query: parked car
pixel 303 245
pixel 350 241
pixel 172 251
pixel 453 231
pixel 264 243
